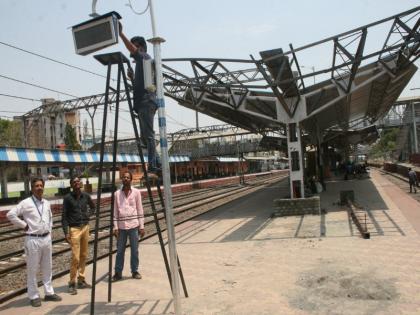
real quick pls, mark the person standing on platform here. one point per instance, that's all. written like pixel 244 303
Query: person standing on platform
pixel 145 103
pixel 34 216
pixel 128 223
pixel 75 220
pixel 412 179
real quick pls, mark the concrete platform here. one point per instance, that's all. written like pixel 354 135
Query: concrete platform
pixel 236 260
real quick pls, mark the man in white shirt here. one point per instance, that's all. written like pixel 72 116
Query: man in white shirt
pixel 34 216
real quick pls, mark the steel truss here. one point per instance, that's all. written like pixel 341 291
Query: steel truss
pixel 234 82
pixel 272 92
pixel 211 77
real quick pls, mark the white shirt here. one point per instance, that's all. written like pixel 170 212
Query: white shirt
pixel 36 215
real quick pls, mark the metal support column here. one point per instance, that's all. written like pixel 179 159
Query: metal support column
pixel 107 175
pixel 295 152
pixel 415 142
pixel 114 188
pixel 156 41
pixel 26 179
pixel 319 158
pixel 4 191
pixel 98 198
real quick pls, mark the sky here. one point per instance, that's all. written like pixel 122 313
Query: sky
pixel 191 28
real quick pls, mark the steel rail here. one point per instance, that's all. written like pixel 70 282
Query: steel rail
pixel 181 207
pixel 268 181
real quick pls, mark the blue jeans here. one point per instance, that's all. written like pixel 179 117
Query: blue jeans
pixel 146 112
pixel 133 235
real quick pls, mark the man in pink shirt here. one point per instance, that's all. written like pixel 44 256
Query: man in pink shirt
pixel 128 223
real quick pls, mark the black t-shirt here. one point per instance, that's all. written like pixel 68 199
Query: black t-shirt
pixel 75 210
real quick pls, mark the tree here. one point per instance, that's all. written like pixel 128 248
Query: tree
pixel 10 133
pixel 70 138
pixel 386 143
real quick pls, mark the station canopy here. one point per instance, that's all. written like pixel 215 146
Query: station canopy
pixel 58 157
pixel 363 72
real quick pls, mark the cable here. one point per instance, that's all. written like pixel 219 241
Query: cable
pixel 38 86
pixel 177 122
pixel 53 60
pixel 138 13
pixel 174 121
pixel 8 117
pixel 11 112
pixel 20 97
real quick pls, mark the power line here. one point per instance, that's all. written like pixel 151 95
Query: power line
pixel 11 112
pixel 137 12
pixel 53 60
pixel 8 117
pixel 175 122
pixel 20 97
pixel 38 86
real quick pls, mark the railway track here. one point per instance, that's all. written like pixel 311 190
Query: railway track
pixel 400 181
pixel 9 231
pixel 16 240
pixel 186 207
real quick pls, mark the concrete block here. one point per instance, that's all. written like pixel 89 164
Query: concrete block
pixel 300 206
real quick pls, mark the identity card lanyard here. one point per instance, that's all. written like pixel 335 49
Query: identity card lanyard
pixel 36 206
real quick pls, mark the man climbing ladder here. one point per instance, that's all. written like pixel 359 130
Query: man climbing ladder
pixel 144 100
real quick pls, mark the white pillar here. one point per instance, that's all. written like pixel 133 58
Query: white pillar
pixel 294 149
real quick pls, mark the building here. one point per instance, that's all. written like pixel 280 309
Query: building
pixel 47 130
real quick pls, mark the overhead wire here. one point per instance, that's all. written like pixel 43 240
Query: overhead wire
pixel 38 86
pixel 20 97
pixel 136 12
pixel 67 65
pixel 43 87
pixel 53 60
pixel 173 120
pixel 11 112
pixel 177 122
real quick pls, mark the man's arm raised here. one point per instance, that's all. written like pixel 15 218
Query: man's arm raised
pixel 129 45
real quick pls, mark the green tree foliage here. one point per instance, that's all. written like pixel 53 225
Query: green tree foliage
pixel 70 138
pixel 10 133
pixel 386 143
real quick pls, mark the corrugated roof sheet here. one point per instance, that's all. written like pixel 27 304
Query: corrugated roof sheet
pixel 8 154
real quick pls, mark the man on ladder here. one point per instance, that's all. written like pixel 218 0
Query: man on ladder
pixel 144 99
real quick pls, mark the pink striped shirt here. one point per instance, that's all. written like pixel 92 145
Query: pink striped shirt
pixel 128 210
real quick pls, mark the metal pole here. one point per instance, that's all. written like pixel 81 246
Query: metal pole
pixel 25 133
pixel 99 192
pixel 113 189
pixel 165 165
pixel 313 71
pixel 196 120
pixel 416 150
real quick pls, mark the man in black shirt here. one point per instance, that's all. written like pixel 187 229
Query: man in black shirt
pixel 75 220
pixel 144 98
